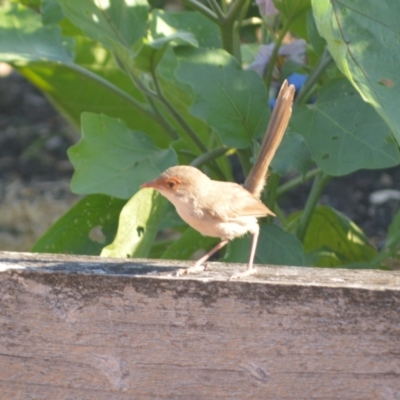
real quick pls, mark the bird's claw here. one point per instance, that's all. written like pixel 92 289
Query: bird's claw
pixel 190 270
pixel 240 275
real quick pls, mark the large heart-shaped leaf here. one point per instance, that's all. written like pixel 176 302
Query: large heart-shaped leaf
pixel 234 102
pixel 138 225
pixel 363 37
pixel 343 132
pixel 84 229
pixel 112 159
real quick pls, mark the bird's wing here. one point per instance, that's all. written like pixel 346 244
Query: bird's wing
pixel 237 202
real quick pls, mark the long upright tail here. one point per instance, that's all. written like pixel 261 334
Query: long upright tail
pixel 278 122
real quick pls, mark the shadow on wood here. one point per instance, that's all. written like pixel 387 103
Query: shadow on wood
pixel 90 328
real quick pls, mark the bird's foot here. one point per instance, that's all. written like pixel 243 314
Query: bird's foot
pixel 240 275
pixel 186 271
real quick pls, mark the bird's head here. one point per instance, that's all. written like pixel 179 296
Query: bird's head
pixel 177 182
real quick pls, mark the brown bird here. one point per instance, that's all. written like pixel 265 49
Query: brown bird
pixel 225 209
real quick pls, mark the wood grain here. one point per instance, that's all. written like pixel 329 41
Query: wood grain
pixel 90 328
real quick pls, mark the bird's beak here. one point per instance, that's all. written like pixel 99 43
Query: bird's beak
pixel 152 184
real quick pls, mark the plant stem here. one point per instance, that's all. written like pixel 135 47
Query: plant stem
pixel 280 215
pixel 273 183
pixel 159 95
pixel 289 185
pixel 244 157
pixel 325 60
pixel 234 10
pixel 274 55
pixel 320 181
pixel 217 9
pixel 227 37
pixel 201 8
pixel 228 30
pixel 157 114
pixel 91 75
pixel 168 128
pixel 210 155
pixel 181 121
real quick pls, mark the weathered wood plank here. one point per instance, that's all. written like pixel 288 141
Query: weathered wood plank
pixel 89 328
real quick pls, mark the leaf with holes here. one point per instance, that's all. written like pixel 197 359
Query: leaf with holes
pixel 138 225
pixel 84 229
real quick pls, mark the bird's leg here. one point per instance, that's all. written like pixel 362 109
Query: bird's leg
pixel 198 267
pixel 250 270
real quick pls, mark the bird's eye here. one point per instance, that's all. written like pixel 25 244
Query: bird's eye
pixel 170 184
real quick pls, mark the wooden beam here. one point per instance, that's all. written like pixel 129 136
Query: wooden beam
pixel 76 327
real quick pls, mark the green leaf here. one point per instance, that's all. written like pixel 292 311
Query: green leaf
pixel 74 90
pixel 234 102
pixel 147 54
pixel 343 133
pixel 51 12
pixel 248 52
pixel 318 43
pixel 181 97
pixel 333 240
pixel 164 24
pixel 275 246
pixel 138 225
pixel 24 39
pixel 112 159
pixel 85 229
pixel 363 38
pixel 42 56
pixel 294 12
pixel 121 21
pixel 393 236
pixel 34 4
pixel 292 8
pixel 292 155
pixel 150 53
pixel 391 249
pixel 190 242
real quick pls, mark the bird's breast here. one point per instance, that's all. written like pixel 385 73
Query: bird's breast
pixel 210 225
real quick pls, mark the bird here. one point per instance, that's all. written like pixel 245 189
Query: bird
pixel 222 209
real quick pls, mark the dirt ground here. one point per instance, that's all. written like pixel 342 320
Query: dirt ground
pixel 34 168
pixel 35 173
